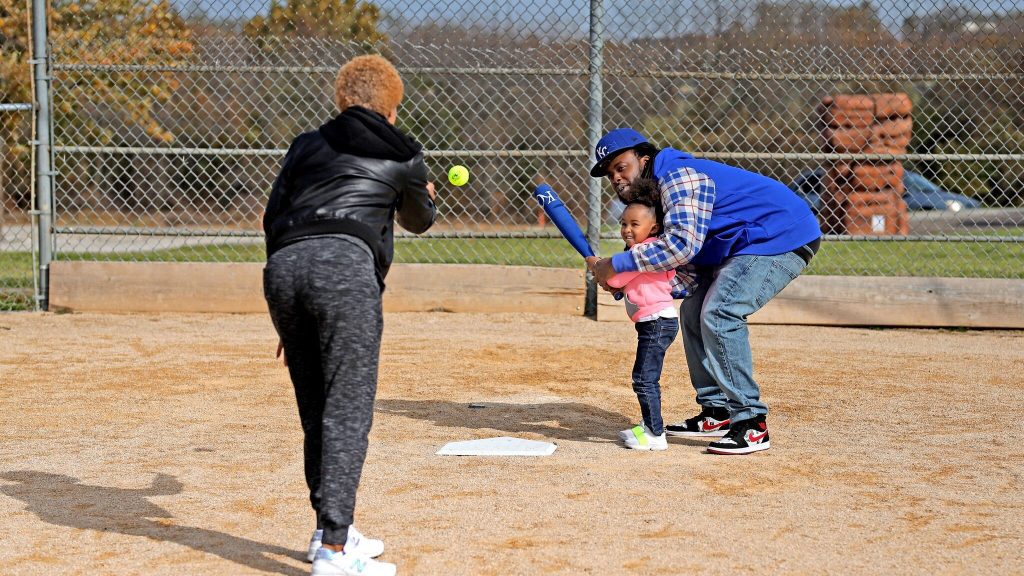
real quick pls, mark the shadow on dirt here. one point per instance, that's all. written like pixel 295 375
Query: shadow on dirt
pixel 64 501
pixel 555 420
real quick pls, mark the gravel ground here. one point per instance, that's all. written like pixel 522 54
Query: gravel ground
pixel 166 444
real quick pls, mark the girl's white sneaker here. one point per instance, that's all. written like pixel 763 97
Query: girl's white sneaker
pixel 640 437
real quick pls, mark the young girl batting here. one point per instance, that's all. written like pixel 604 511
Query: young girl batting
pixel 648 298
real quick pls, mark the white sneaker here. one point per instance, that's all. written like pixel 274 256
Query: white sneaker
pixel 355 542
pixel 329 563
pixel 640 437
pixel 360 544
pixel 628 432
pixel 315 542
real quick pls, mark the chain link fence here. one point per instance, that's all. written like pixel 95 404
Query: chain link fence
pixel 17 287
pixel 170 118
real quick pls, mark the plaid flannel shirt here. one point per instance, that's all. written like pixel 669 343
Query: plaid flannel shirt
pixel 688 197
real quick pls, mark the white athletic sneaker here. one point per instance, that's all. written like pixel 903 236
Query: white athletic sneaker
pixel 328 563
pixel 315 542
pixel 355 542
pixel 362 545
pixel 640 437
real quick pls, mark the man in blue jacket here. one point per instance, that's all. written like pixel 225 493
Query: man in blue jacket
pixel 735 239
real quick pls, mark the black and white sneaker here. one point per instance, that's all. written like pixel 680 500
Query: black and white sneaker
pixel 745 437
pixel 710 423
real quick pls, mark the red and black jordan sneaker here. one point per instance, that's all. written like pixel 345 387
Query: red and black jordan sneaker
pixel 710 423
pixel 746 436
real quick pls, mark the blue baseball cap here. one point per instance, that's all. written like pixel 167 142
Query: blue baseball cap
pixel 610 145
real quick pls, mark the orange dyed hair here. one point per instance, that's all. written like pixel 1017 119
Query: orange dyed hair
pixel 368 81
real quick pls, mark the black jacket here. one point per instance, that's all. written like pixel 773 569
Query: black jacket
pixel 354 175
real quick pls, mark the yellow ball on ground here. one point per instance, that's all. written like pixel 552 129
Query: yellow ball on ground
pixel 458 175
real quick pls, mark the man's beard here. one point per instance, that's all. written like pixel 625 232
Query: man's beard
pixel 623 191
pixel 638 185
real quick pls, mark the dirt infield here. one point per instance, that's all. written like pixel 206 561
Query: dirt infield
pixel 170 444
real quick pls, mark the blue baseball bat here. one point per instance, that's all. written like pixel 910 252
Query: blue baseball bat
pixel 563 220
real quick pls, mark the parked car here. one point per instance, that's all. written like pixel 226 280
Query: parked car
pixel 918 192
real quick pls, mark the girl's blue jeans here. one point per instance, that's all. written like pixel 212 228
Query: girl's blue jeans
pixel 652 340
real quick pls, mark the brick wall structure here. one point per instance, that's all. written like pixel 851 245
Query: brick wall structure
pixel 865 197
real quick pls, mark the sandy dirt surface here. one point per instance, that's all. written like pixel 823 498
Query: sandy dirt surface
pixel 170 444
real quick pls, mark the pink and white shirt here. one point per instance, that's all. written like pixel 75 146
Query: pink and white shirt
pixel 648 295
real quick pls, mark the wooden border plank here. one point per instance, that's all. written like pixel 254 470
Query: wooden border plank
pixel 156 287
pixel 817 300
pixel 237 288
pixel 883 301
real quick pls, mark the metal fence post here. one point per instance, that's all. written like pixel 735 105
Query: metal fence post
pixel 43 205
pixel 595 105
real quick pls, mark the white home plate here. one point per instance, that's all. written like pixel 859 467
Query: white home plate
pixel 501 446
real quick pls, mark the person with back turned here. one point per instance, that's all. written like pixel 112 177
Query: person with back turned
pixel 329 228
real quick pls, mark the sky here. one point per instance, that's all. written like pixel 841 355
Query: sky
pixel 571 17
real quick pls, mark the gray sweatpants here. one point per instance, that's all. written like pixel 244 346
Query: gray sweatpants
pixel 326 306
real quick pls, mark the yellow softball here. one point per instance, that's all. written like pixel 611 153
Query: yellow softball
pixel 458 175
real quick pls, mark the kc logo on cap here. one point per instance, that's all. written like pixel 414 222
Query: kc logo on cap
pixel 613 142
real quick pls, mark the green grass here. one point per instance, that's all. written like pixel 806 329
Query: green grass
pixel 211 253
pixel 853 258
pixel 16 281
pixel 14 266
pixel 1005 232
pixel 903 258
pixel 943 259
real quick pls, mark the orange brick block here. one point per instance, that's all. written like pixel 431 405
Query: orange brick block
pixel 847 111
pixel 890 136
pixel 871 219
pixel 850 101
pixel 877 177
pixel 846 118
pixel 865 198
pixel 865 176
pixel 892 105
pixel 903 219
pixel 887 196
pixel 847 140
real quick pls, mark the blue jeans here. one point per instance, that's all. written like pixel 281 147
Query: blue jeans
pixel 652 340
pixel 715 335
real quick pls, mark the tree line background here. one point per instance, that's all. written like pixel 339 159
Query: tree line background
pixel 139 74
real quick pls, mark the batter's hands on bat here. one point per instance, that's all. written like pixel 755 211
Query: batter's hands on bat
pixel 602 270
pixel 430 190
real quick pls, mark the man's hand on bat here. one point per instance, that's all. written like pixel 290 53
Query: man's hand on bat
pixel 602 270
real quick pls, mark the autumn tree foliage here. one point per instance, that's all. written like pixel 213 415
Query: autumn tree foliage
pixel 350 20
pixel 99 33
